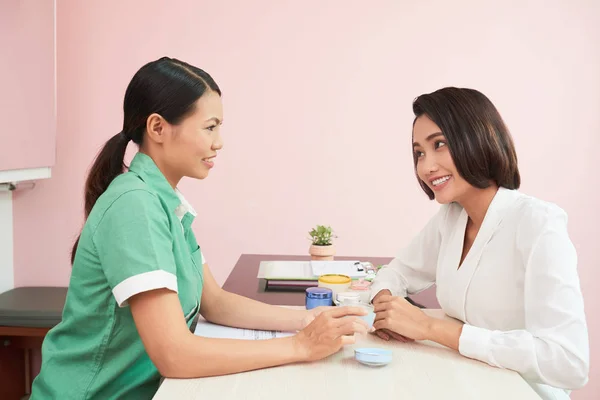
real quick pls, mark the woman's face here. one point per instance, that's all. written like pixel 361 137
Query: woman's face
pixel 190 147
pixel 198 138
pixel 435 166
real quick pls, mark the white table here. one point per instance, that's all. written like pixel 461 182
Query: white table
pixel 420 370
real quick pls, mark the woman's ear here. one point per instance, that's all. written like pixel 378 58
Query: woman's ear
pixel 156 128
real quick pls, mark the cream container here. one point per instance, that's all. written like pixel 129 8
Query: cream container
pixel 337 283
pixel 363 288
pixel 348 299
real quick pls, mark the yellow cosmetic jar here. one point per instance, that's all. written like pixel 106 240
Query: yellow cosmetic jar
pixel 337 283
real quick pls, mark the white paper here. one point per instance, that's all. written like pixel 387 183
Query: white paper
pixel 308 270
pixel 210 330
pixel 296 270
pixel 338 267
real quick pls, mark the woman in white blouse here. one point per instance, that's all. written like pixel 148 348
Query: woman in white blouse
pixel 503 263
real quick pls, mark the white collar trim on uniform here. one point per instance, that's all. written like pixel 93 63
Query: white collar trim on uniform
pixel 185 207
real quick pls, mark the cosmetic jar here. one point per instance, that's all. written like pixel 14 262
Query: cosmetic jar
pixel 318 296
pixel 337 283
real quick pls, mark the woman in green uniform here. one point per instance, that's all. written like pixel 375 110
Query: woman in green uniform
pixel 139 278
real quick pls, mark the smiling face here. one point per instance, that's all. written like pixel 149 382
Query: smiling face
pixel 461 146
pixel 189 147
pixel 434 164
pixel 192 148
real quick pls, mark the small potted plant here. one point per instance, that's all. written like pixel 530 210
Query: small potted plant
pixel 322 248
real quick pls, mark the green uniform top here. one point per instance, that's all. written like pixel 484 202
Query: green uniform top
pixel 138 237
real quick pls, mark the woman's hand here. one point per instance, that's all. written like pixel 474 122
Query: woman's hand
pixel 329 331
pixel 309 316
pixel 386 334
pixel 395 315
pixel 377 298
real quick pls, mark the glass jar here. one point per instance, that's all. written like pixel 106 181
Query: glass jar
pixel 318 296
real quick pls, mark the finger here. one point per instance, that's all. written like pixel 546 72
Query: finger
pixel 346 339
pixel 381 307
pixel 389 333
pixel 321 309
pixel 381 324
pixel 338 312
pixel 341 321
pixel 352 325
pixel 343 341
pixel 350 329
pixel 381 315
pixel 382 334
pixel 396 336
pixel 399 337
pixel 385 298
pixel 379 294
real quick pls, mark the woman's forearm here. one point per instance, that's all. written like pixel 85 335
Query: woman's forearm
pixel 178 353
pixel 233 310
pixel 444 332
pixel 198 357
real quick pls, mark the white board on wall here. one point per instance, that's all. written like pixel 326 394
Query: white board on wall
pixel 7 275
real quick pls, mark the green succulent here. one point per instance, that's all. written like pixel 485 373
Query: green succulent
pixel 321 235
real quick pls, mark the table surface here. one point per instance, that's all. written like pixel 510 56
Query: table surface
pixel 243 280
pixel 419 370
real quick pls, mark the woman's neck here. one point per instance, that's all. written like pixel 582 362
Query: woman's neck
pixel 172 178
pixel 477 202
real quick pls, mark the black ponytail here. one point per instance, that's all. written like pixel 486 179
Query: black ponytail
pixel 168 87
pixel 108 165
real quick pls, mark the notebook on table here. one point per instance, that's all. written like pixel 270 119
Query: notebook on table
pixel 299 275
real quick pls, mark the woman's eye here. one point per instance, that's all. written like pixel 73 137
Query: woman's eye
pixel 439 144
pixel 211 128
pixel 419 154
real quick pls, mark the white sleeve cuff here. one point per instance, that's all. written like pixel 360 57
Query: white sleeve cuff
pixel 474 342
pixel 374 290
pixel 377 287
pixel 142 283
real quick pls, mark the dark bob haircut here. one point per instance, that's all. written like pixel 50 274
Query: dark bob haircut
pixel 479 141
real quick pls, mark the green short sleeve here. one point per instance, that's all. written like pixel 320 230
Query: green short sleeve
pixel 135 245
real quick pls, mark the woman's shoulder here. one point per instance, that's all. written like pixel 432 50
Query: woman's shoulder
pixel 126 194
pixel 536 211
pixel 533 216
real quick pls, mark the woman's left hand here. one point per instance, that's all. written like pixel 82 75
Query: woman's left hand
pixel 397 315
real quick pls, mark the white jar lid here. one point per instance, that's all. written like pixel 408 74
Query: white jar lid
pixel 348 298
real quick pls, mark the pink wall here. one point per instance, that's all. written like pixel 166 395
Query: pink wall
pixel 318 114
pixel 27 79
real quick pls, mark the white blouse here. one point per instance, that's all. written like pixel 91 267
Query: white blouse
pixel 517 290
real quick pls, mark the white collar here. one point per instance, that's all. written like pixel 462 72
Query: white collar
pixel 185 207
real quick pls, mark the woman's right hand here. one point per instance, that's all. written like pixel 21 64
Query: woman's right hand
pixel 329 331
pixel 386 334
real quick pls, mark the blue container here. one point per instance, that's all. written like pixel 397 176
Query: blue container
pixel 373 357
pixel 318 296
